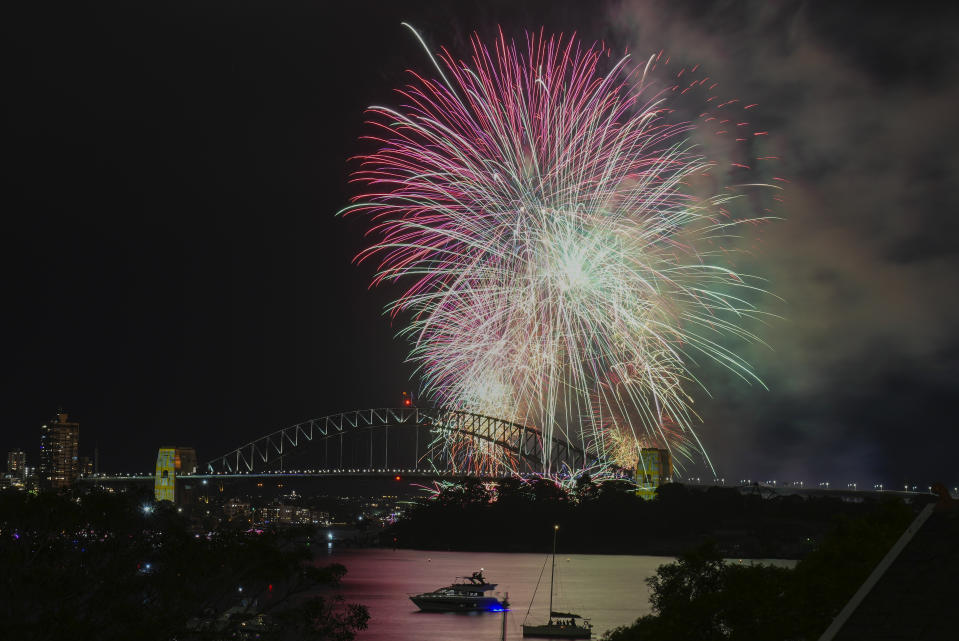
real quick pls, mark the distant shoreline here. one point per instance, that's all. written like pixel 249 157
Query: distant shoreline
pixel 667 557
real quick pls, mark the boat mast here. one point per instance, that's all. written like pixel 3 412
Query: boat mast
pixel 552 572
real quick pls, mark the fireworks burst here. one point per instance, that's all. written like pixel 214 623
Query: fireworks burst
pixel 562 238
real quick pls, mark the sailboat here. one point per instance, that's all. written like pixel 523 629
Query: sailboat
pixel 561 625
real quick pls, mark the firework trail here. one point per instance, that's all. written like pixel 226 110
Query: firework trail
pixel 562 237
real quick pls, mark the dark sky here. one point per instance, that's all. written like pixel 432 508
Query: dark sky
pixel 174 273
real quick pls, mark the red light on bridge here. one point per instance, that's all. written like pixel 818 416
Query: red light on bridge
pixel 397 477
pixel 407 402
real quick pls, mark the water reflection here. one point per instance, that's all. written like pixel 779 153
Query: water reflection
pixel 611 590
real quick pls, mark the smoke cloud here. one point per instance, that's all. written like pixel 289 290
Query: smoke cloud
pixel 862 367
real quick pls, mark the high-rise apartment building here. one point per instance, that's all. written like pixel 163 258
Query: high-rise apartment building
pixel 16 475
pixel 17 464
pixel 59 453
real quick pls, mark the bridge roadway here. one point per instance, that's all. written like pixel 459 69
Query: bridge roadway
pixel 345 473
pixel 766 491
pixel 770 491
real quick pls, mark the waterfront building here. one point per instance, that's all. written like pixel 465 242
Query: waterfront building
pixel 59 453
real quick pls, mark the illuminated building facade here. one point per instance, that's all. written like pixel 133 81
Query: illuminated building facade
pixel 654 468
pixel 172 462
pixel 164 483
pixel 59 458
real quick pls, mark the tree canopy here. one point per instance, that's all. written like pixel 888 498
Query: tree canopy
pixel 702 597
pixel 111 566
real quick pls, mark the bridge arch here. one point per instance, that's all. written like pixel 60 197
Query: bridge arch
pixel 516 447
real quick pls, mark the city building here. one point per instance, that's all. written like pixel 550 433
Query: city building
pixel 59 453
pixel 654 468
pixel 17 463
pixel 30 479
pixel 287 515
pixel 237 509
pixel 16 475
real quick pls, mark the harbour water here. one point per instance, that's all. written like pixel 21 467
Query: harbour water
pixel 611 590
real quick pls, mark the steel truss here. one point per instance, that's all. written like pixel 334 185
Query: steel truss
pixel 521 441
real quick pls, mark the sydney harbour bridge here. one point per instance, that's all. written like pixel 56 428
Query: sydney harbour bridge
pixel 400 443
pixel 435 441
pixel 413 441
pixel 425 443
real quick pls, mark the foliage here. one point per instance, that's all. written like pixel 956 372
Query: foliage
pixel 829 576
pixel 701 597
pixel 100 566
pixel 744 525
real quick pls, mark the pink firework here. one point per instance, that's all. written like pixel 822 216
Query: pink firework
pixel 562 233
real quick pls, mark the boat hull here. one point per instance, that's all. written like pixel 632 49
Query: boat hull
pixel 456 604
pixel 557 631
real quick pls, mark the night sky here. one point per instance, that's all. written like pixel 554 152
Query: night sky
pixel 174 272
